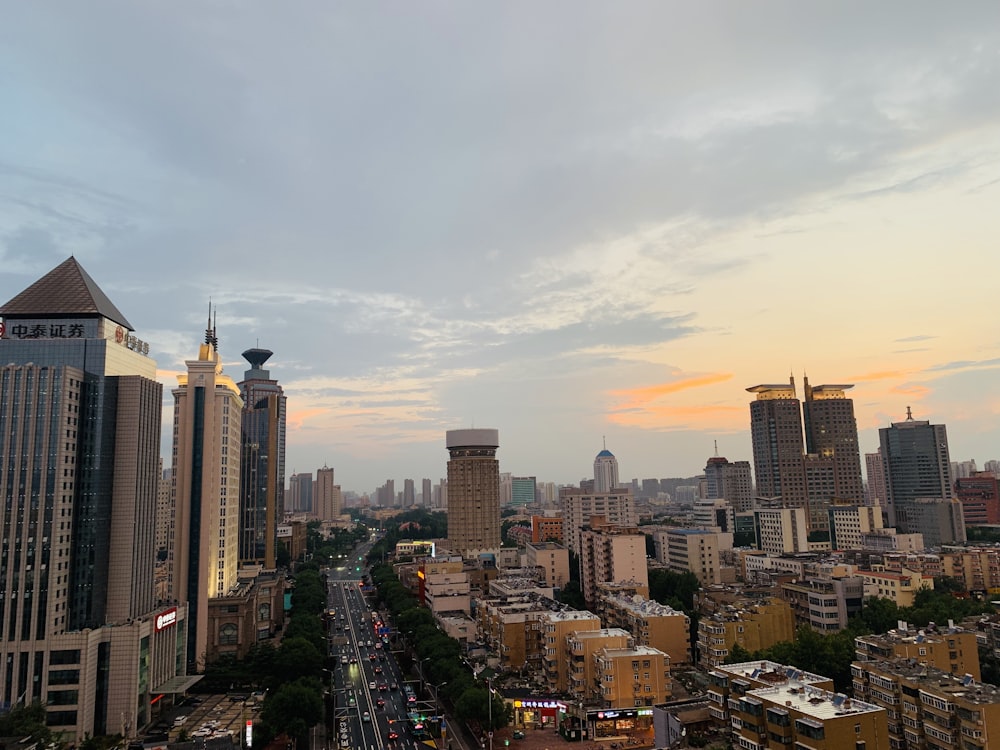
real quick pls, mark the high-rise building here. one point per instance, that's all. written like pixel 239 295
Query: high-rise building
pixel 876 478
pixel 578 506
pixel 813 474
pixel 610 553
pixel 605 472
pixel 262 475
pixel 81 631
pixel 473 490
pixel 916 464
pixel 204 556
pixel 506 488
pixel 409 493
pixel 522 491
pixel 980 498
pixel 164 513
pixel 329 500
pixel 299 498
pixel 776 433
pixel 426 493
pixel 731 481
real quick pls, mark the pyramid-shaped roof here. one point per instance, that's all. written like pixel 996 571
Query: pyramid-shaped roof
pixel 65 291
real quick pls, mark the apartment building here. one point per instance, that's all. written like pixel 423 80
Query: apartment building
pixel 781 530
pixel 610 552
pixel 650 624
pixel 447 592
pixel 555 627
pixel 631 677
pixel 727 683
pixel 848 523
pixel 928 708
pixel 900 587
pixel 976 567
pixel 551 560
pixel 824 604
pixel 578 506
pixel 695 550
pixel 580 649
pixel 753 625
pixel 950 650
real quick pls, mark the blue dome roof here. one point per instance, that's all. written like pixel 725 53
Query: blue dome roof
pixel 605 454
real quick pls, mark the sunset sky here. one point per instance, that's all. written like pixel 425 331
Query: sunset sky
pixel 562 220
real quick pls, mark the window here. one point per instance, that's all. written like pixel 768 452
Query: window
pixel 227 634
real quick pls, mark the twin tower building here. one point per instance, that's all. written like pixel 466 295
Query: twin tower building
pixel 86 627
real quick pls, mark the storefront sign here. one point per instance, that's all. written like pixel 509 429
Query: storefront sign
pixel 540 704
pixel 166 619
pixel 249 732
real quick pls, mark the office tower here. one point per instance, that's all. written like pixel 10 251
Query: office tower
pixel 831 432
pixel 810 475
pixel 262 475
pixel 328 498
pixel 506 489
pixel 849 523
pixel 300 488
pixel 605 472
pixel 980 498
pixel 473 490
pixel 776 433
pixel 780 531
pixel 522 491
pixel 696 550
pixel 578 506
pixel 916 465
pixel 730 481
pixel 79 467
pixel 876 478
pixel 426 495
pixel 164 510
pixel 204 558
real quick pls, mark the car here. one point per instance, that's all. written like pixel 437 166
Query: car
pixel 383 687
pixel 371 685
pixel 371 657
pixel 378 645
pixel 378 669
pixel 411 698
pixel 354 660
pixel 393 736
pixel 369 643
pixel 343 660
pixel 393 686
pixel 380 703
pixel 366 716
pixel 518 734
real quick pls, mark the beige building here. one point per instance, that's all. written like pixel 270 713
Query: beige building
pixel 752 624
pixel 730 681
pixel 888 540
pixel 951 650
pixel 781 530
pixel 695 550
pixel 204 555
pixel 578 507
pixel 631 677
pixel 550 559
pixel 612 553
pixel 473 491
pixel 650 624
pixel 555 627
pixel 976 567
pixel 252 613
pixel 850 523
pixel 328 500
pixel 447 592
pixel 928 708
pixel 580 649
pixel 511 629
pixel 900 587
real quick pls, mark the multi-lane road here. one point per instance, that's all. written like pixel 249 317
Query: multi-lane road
pixel 370 693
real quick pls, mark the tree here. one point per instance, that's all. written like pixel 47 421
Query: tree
pixel 297 657
pixel 294 707
pixel 572 595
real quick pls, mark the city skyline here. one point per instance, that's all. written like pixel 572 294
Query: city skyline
pixel 571 226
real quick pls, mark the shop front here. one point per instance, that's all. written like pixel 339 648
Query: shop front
pixel 620 723
pixel 537 713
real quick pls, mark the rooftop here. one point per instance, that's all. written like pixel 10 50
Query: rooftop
pixel 935 681
pixel 812 701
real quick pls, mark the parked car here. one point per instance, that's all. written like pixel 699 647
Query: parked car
pixel 518 734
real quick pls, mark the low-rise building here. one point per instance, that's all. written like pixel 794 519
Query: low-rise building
pixel 650 623
pixel 447 592
pixel 551 560
pixel 824 604
pixel 579 651
pixel 753 625
pixel 631 677
pixel 951 649
pixel 555 627
pixel 900 587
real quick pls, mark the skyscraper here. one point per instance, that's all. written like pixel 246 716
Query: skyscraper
pixel 409 493
pixel 776 433
pixel 327 497
pixel 522 491
pixel 916 464
pixel 605 472
pixel 810 475
pixel 732 481
pixel 206 454
pixel 79 467
pixel 426 493
pixel 473 490
pixel 831 432
pixel 300 489
pixel 262 478
pixel 876 478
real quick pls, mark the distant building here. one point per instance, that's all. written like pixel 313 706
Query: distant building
pixel 649 623
pixel 849 523
pixel 876 479
pixel 546 529
pixel 605 472
pixel 522 491
pixel 916 464
pixel 753 623
pixel 578 506
pixel 697 551
pixel 473 491
pixel 551 559
pixel 781 530
pixel 980 498
pixel 327 496
pixel 299 497
pixel 949 649
pixel 409 493
pixel 901 587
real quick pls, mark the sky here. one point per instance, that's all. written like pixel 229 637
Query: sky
pixel 574 222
